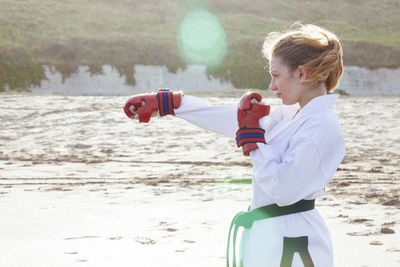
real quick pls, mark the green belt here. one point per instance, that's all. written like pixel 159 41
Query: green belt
pixel 246 219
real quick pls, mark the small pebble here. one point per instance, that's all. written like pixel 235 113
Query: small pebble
pixel 386 230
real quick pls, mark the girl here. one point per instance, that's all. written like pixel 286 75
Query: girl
pixel 295 149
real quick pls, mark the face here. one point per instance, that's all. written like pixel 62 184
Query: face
pixel 284 82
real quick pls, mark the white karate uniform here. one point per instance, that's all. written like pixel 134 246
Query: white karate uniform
pixel 300 158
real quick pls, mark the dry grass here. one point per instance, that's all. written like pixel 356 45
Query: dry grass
pixel 123 32
pixel 42 23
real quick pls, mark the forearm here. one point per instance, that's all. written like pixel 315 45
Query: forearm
pixel 221 119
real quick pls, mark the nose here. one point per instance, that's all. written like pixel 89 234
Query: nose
pixel 272 85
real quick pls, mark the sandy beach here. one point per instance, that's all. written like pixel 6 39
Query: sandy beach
pixel 82 185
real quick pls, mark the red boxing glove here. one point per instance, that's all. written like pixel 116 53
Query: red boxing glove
pixel 248 114
pixel 164 102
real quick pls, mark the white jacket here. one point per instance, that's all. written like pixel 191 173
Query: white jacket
pixel 300 158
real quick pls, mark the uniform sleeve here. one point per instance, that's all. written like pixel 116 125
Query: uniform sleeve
pixel 221 119
pixel 295 176
pixel 276 116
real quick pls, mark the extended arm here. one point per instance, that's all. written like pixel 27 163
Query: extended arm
pixel 217 118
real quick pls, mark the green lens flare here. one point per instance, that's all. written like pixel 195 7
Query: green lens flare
pixel 201 39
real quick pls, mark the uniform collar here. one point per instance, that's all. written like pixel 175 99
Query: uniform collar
pixel 318 103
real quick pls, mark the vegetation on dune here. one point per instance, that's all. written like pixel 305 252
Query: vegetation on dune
pixel 122 33
pixel 18 70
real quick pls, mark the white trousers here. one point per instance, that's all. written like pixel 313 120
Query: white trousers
pixel 297 234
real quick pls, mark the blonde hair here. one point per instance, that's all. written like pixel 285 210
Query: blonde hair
pixel 316 49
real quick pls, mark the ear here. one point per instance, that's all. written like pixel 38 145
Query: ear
pixel 301 73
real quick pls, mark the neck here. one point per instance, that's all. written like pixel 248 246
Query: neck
pixel 312 93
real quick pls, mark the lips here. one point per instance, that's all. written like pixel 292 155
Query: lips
pixel 278 95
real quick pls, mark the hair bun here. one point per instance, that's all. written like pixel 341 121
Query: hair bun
pixel 313 47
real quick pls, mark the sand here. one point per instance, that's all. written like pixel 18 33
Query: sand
pixel 82 185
